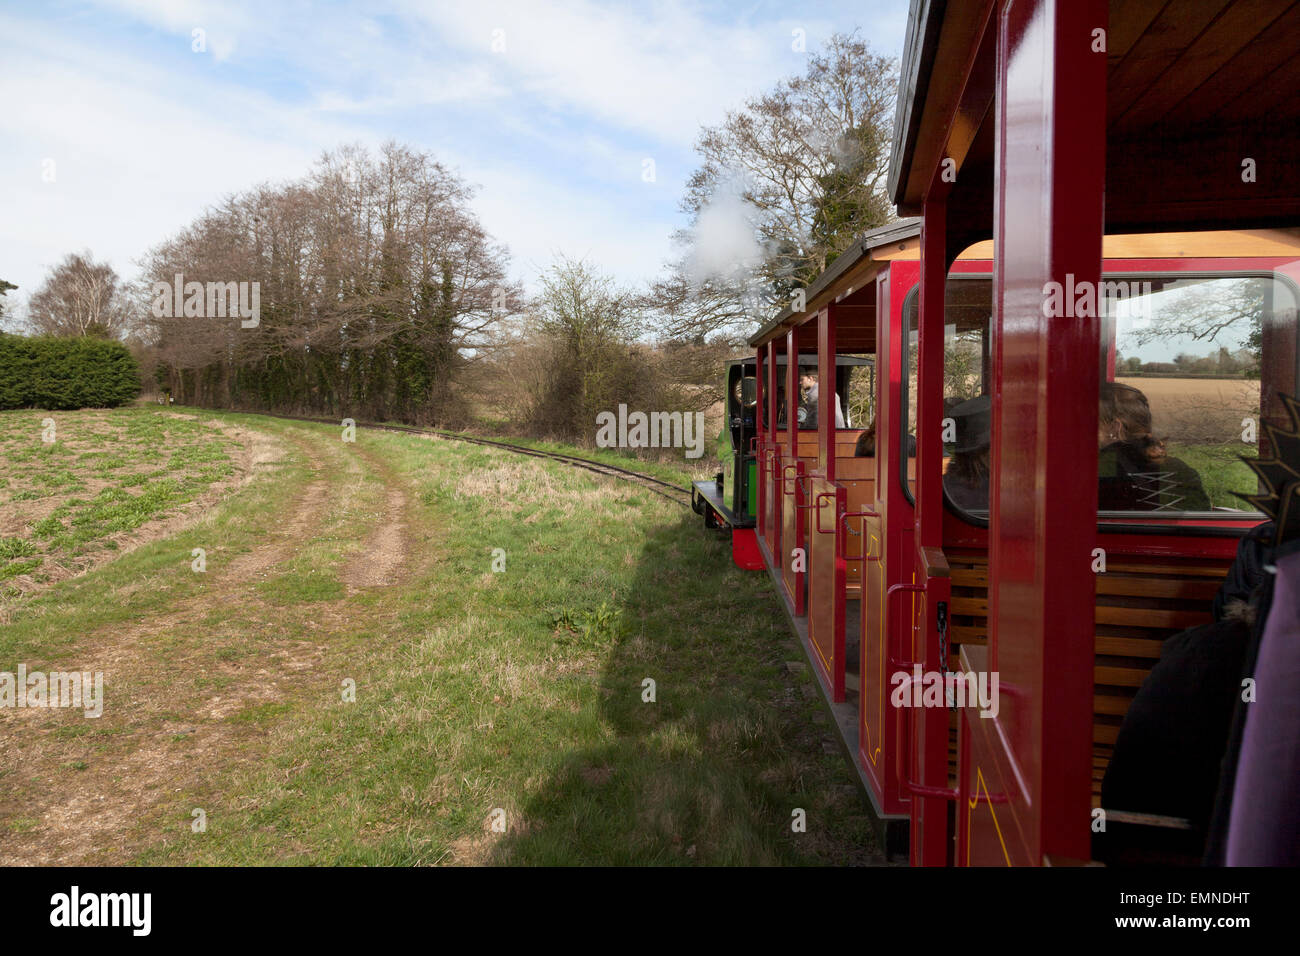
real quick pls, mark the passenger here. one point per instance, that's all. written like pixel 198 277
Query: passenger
pixel 866 446
pixel 1170 751
pixel 966 479
pixel 808 410
pixel 1134 473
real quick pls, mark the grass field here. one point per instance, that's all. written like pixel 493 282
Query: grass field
pixel 351 681
pixel 76 487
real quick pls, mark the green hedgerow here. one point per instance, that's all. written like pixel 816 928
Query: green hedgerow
pixel 66 373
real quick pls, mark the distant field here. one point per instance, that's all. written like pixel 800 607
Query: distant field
pixel 1199 410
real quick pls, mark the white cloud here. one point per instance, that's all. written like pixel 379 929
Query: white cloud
pixel 661 69
pixel 145 134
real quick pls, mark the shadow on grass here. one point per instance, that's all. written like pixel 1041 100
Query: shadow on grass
pixel 713 768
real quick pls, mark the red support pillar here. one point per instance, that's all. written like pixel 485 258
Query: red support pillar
pixel 792 394
pixel 771 392
pixel 928 763
pixel 1048 224
pixel 826 392
pixel 791 506
pixel 760 430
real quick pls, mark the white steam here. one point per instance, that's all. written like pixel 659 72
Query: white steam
pixel 722 243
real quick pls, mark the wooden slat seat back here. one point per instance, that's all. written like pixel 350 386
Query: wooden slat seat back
pixel 1139 604
pixel 846 441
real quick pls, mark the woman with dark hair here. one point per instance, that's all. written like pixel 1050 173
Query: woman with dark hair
pixel 866 445
pixel 1134 472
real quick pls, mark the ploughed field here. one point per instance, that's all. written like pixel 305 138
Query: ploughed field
pixel 395 650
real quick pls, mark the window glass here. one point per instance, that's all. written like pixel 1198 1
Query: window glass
pixel 849 379
pixel 805 403
pixel 1190 367
pixel 968 310
pixel 1180 401
pixel 860 393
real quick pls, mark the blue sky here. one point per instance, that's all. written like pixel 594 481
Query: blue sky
pixel 554 125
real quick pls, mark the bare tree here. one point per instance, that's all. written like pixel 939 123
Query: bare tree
pixel 378 286
pixel 80 297
pixel 5 289
pixel 577 350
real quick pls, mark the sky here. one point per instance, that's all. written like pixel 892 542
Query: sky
pixel 117 130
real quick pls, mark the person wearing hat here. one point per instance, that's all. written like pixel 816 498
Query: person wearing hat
pixel 966 480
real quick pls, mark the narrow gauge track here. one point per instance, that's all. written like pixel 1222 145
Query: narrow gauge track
pixel 658 486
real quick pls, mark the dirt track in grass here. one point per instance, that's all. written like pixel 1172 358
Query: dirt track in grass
pixel 184 704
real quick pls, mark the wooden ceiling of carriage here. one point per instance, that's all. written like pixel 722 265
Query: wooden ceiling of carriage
pixel 1193 89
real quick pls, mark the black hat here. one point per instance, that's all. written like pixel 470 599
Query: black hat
pixel 974 423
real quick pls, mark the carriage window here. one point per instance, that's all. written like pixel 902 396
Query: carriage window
pixel 1191 366
pixel 848 379
pixel 967 382
pixel 1184 386
pixel 859 392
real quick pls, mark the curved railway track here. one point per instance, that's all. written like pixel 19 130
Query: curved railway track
pixel 664 489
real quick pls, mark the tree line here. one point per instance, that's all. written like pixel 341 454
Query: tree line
pixel 381 296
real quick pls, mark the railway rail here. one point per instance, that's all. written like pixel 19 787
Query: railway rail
pixel 664 489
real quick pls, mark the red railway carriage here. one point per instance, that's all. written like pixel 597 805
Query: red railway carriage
pixel 1103 193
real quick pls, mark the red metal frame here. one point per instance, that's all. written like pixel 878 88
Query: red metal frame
pixel 1048 214
pixel 828 571
pixel 887 543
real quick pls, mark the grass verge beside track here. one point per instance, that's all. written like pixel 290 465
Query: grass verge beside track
pixel 483 697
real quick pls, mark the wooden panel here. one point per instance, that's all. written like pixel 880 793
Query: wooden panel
pixel 1120 676
pixel 825 590
pixel 1198 590
pixel 849 468
pixel 1128 21
pixel 1156 51
pixel 1142 604
pixel 1240 24
pixel 1150 617
pixel 1145 647
pixel 1227 93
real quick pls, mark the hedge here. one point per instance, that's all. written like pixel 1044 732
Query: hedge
pixel 57 373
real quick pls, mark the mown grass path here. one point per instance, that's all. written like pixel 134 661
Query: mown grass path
pixel 500 716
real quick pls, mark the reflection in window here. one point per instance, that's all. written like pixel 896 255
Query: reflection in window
pixel 1191 367
pixel 1180 398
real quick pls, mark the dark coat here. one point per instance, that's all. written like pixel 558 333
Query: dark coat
pixel 1129 480
pixel 964 496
